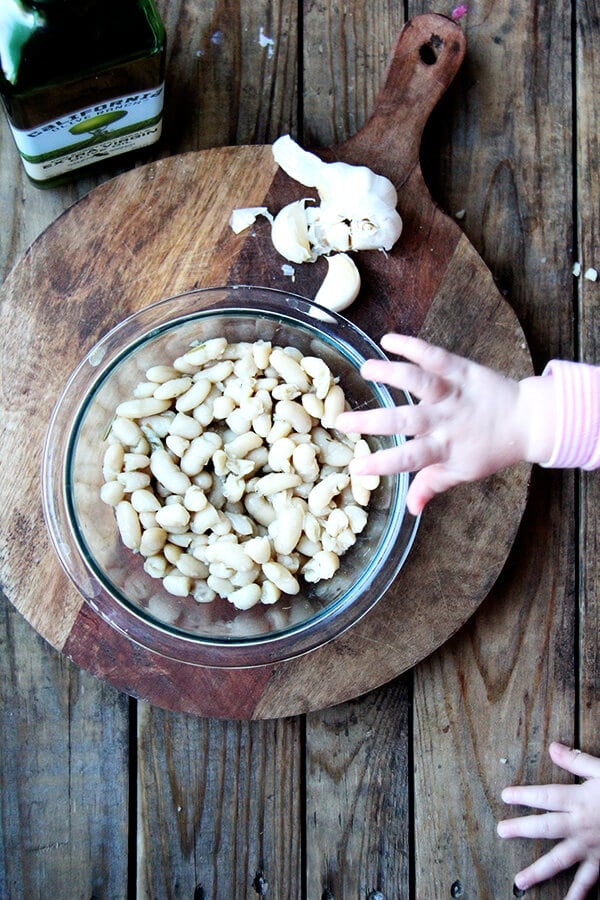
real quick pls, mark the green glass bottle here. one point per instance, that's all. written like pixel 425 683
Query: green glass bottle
pixel 80 81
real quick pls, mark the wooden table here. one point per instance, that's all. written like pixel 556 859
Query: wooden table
pixel 394 794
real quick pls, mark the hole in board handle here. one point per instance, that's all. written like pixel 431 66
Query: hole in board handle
pixel 430 49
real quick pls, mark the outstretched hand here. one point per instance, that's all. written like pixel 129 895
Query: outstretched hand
pixel 572 818
pixel 471 421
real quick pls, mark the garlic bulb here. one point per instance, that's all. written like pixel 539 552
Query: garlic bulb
pixel 358 207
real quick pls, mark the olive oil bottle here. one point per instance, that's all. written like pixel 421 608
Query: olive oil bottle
pixel 80 81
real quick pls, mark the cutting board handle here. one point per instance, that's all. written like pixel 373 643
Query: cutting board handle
pixel 428 54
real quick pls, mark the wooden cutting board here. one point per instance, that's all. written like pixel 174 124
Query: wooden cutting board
pixel 163 228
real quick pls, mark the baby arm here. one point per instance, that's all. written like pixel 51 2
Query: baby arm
pixel 573 819
pixel 469 423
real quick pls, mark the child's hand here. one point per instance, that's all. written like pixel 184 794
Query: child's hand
pixel 574 821
pixel 471 421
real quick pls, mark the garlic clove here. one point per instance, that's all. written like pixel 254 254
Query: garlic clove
pixel 289 233
pixel 354 184
pixel 378 227
pixel 341 284
pixel 241 219
pixel 299 164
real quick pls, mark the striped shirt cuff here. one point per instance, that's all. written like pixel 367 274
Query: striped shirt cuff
pixel 577 392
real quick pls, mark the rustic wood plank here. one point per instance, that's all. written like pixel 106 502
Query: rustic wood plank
pixel 357 753
pixel 63 770
pixel 358 807
pixel 219 811
pixel 588 220
pixel 487 704
pixel 231 73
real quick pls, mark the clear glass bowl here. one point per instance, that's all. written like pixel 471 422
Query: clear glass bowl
pixel 83 528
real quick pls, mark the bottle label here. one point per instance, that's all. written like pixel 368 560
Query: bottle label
pixel 91 134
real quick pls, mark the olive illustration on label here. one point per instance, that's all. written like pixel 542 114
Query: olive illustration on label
pixel 96 126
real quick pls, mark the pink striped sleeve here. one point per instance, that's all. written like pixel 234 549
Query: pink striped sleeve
pixel 577 391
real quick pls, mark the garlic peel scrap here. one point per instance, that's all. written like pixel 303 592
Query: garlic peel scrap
pixel 241 219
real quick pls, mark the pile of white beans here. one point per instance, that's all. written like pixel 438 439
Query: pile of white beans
pixel 227 476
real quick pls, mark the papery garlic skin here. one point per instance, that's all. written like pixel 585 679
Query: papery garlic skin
pixel 289 233
pixel 243 218
pixel 341 284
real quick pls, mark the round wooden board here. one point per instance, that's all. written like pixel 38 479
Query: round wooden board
pixel 162 229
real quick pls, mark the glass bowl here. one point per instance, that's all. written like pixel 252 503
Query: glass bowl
pixel 83 529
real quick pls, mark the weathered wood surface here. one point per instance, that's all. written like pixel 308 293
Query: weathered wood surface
pixel 397 792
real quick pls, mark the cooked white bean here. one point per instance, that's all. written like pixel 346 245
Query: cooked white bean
pixel 231 554
pixel 275 482
pixel 192 567
pixel 281 577
pixel 313 405
pixel 206 351
pixel 126 431
pixel 242 445
pixel 177 444
pixel 174 517
pixel 152 541
pixel 320 374
pixel 335 453
pixel 133 461
pixel 221 586
pixel 142 407
pixel 112 463
pixel 156 566
pixel 323 565
pixel 289 369
pixel 258 549
pixel 196 393
pixel 245 597
pixel 324 491
pixel 128 524
pixel 270 593
pixel 286 530
pixel 293 413
pixel 144 500
pixel 259 508
pixel 112 492
pixel 133 481
pixel 195 499
pixel 185 426
pixel 334 404
pixel 177 584
pixel 161 373
pixel 173 388
pixel 168 473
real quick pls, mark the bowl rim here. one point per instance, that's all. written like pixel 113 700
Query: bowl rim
pixel 162 638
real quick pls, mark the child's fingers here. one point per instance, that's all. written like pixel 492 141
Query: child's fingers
pixel 402 420
pixel 407 377
pixel 408 457
pixel 428 356
pixel 585 878
pixel 561 857
pixel 555 797
pixel 433 479
pixel 551 826
pixel 574 761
